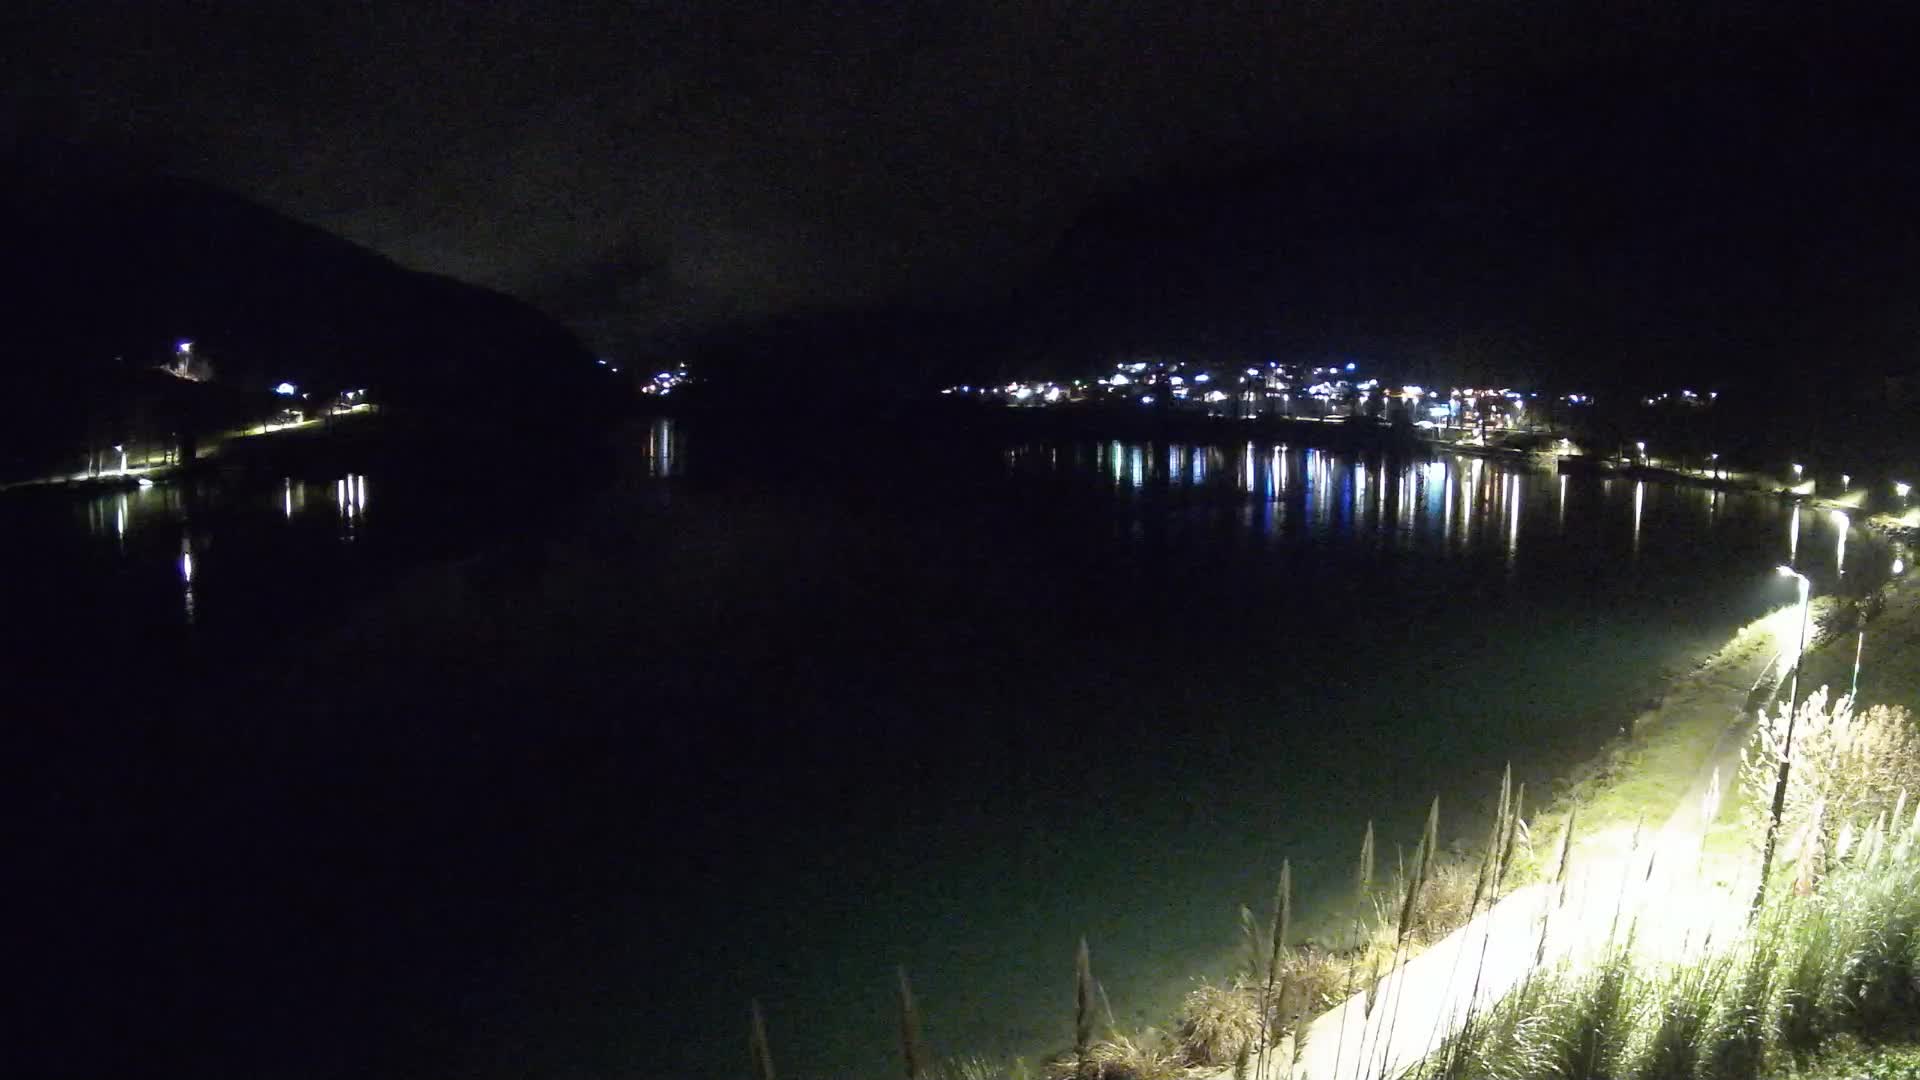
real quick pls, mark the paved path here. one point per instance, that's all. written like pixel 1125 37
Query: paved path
pixel 1613 881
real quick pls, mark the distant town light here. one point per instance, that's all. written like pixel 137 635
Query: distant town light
pixel 1146 399
pixel 286 389
pixel 1350 365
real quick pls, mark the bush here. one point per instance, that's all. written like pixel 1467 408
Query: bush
pixel 1847 768
pixel 1218 1022
pixel 1147 1055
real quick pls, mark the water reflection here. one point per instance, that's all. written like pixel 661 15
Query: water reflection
pixel 663 456
pixel 1639 503
pixel 1841 526
pixel 186 575
pixel 1457 503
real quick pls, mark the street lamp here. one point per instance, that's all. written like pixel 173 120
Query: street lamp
pixel 1786 750
pixel 1900 489
pixel 1642 448
pixel 1798 469
pixel 1714 466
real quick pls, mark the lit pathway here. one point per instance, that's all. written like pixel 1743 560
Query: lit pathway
pixel 1615 879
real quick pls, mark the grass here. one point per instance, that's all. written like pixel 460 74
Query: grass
pixel 1850 1059
pixel 1833 954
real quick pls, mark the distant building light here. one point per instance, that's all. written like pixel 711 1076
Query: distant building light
pixel 286 389
pixel 184 348
pixel 1146 399
pixel 1350 365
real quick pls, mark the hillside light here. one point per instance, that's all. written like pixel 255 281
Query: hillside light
pixel 286 389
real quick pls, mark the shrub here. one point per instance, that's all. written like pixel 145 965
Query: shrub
pixel 1446 899
pixel 1218 1022
pixel 1146 1055
pixel 1848 767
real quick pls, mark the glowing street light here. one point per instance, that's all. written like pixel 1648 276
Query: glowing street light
pixel 1642 448
pixel 1786 751
pixel 1714 465
pixel 1798 469
pixel 1900 489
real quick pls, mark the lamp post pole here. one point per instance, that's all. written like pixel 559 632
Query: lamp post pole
pixel 1786 750
pixel 1859 645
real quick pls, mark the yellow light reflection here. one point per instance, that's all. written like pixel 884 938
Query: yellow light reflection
pixel 1639 501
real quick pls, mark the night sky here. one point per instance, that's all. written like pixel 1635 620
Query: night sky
pixel 1598 183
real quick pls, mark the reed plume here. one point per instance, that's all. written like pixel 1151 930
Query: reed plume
pixel 757 1044
pixel 1082 1008
pixel 912 1049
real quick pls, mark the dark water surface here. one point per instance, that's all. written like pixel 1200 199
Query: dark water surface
pixel 369 775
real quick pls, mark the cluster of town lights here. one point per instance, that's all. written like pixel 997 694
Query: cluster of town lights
pixel 1326 392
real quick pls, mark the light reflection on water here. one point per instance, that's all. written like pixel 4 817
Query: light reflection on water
pixel 1465 505
pixel 161 519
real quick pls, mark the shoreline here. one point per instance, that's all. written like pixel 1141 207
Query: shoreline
pixel 1666 745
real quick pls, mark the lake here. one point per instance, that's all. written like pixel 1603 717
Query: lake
pixel 381 774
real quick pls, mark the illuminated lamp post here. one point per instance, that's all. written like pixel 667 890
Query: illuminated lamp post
pixel 1713 465
pixel 1786 751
